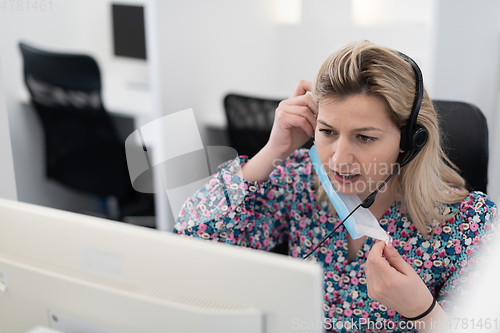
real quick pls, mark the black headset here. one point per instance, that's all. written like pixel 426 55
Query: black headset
pixel 413 136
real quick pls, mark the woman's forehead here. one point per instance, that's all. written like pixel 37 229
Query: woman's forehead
pixel 359 110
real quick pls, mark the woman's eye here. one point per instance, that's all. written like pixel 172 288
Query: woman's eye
pixel 326 132
pixel 366 139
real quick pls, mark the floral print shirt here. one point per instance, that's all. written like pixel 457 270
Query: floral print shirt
pixel 261 215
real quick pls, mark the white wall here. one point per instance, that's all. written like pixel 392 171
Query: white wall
pixel 209 49
pixel 7 176
pixel 465 53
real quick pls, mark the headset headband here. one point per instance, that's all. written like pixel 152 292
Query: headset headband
pixel 414 137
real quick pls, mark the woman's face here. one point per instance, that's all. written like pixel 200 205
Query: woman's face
pixel 357 143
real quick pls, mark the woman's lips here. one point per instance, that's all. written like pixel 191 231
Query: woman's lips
pixel 345 180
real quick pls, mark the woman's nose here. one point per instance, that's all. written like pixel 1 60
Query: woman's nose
pixel 342 156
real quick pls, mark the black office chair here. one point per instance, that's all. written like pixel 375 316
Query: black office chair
pixel 83 148
pixel 249 122
pixel 466 141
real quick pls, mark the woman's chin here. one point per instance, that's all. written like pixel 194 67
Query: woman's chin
pixel 350 189
pixel 346 189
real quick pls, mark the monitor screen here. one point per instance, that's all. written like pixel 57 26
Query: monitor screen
pixel 129 36
pixel 77 273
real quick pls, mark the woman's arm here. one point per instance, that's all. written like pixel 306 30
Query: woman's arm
pixel 260 166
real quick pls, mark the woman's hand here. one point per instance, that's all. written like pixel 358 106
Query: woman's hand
pixel 398 287
pixel 294 122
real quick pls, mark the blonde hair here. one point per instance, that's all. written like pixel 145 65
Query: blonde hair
pixel 430 178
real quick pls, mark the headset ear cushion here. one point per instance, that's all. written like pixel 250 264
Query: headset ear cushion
pixel 419 138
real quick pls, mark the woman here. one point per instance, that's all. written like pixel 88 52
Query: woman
pixel 360 100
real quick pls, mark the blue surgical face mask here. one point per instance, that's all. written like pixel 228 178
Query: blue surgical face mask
pixel 362 222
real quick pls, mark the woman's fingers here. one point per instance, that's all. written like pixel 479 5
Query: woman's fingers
pixel 307 99
pixel 300 111
pixel 301 88
pixel 396 261
pixel 299 121
pixel 380 276
pixel 382 255
pixel 311 110
pixel 375 260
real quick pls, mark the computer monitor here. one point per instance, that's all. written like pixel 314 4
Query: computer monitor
pixel 129 32
pixel 77 273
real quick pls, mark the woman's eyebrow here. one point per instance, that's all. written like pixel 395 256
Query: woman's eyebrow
pixel 323 123
pixel 362 129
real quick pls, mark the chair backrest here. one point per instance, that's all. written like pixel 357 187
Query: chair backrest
pixel 250 120
pixel 465 133
pixel 71 72
pixel 83 149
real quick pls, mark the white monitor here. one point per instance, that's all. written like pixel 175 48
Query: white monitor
pixel 76 273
